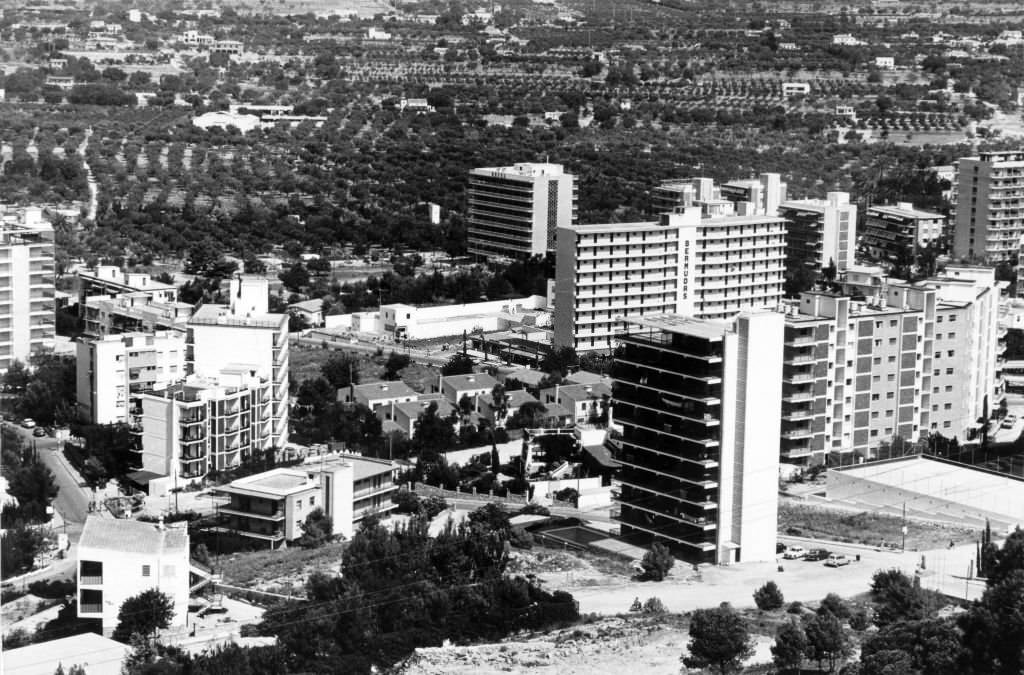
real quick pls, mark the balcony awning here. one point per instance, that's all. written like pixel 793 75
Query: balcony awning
pixel 142 478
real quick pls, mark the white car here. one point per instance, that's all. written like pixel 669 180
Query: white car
pixel 837 560
pixel 28 423
pixel 794 553
pixel 1009 421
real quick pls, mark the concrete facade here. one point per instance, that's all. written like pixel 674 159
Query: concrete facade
pixel 515 211
pixel 820 231
pixel 893 233
pixel 27 310
pixel 697 404
pixel 988 221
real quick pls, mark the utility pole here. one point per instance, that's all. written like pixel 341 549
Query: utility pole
pixel 903 529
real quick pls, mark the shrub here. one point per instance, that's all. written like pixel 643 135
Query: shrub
pixel 568 495
pixel 406 502
pixel 769 597
pixel 432 506
pixel 860 620
pixel 52 590
pixel 657 562
pixel 795 607
pixel 654 606
pixel 834 605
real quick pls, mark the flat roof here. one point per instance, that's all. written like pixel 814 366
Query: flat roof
pixel 742 220
pixel 600 228
pixel 904 212
pixel 276 483
pixel 220 315
pixel 132 536
pixel 931 478
pixel 387 389
pixel 470 381
pixel 684 325
pixel 97 654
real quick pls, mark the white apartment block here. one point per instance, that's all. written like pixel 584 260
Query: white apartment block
pixel 244 333
pixel 686 263
pixel 111 369
pixel 755 196
pixel 27 311
pixel 988 194
pixel 914 359
pixel 133 312
pixel 514 211
pixel 119 559
pixel 199 425
pixel 697 401
pixel 820 231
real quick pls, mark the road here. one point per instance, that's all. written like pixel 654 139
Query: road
pixel 945 570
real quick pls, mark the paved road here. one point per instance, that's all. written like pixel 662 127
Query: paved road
pixel 72 501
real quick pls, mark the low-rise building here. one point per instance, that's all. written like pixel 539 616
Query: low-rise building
pixel 312 311
pixel 587 402
pixel 401 417
pixel 427 322
pixel 119 559
pixel 273 505
pixel 454 387
pixel 133 312
pixel 376 394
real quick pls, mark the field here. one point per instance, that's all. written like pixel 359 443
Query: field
pixel 289 567
pixel 799 520
pixel 306 362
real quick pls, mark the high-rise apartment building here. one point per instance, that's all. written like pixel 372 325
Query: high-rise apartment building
pixel 203 424
pixel 113 368
pixel 514 211
pixel 988 194
pixel 893 233
pixel 709 267
pixel 820 232
pixel 246 336
pixel 27 311
pixel 698 404
pixel 915 359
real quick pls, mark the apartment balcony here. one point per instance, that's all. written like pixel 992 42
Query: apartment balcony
pixel 680 533
pixel 277 515
pixel 696 500
pixel 668 379
pixel 91 580
pixel 796 451
pixel 662 403
pixel 797 414
pixel 665 481
pixel 797 378
pixel 700 522
pixel 797 433
pixel 801 359
pixel 701 457
pixel 663 437
pixel 372 492
pixel 668 343
pixel 89 608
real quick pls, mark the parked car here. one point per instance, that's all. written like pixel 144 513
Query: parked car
pixel 1009 421
pixel 794 553
pixel 39 431
pixel 817 555
pixel 837 560
pixel 28 423
pixel 779 548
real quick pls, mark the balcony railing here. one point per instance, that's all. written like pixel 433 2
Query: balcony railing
pixel 90 608
pixel 91 579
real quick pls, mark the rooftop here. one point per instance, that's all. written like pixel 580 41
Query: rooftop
pixel 220 315
pixel 132 536
pixel 470 381
pixel 275 483
pixel 97 654
pixel 684 325
pixel 530 169
pixel 308 305
pixel 372 390
pixel 903 211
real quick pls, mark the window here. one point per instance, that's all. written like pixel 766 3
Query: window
pixel 892 359
pixel 874 433
pixel 948 406
pixel 947 424
pixel 950 353
pixel 888 413
pixel 874 415
pixel 949 371
pixel 890 395
pixel 145 570
pixel 312 500
pixel 892 341
pixel 874 397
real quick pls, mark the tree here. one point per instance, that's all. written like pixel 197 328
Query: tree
pixel 718 640
pixel 993 629
pixel 657 562
pixel 529 416
pixel 19 546
pixel 900 598
pixel 459 364
pixel 769 597
pixel 560 360
pixel 395 364
pixel 144 614
pixel 17 377
pixel 341 370
pixel 790 646
pixel 317 529
pixel 35 488
pixel 499 404
pixel 933 647
pixel 1008 559
pixel 295 278
pixel 835 606
pixel 433 434
pixel 827 642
